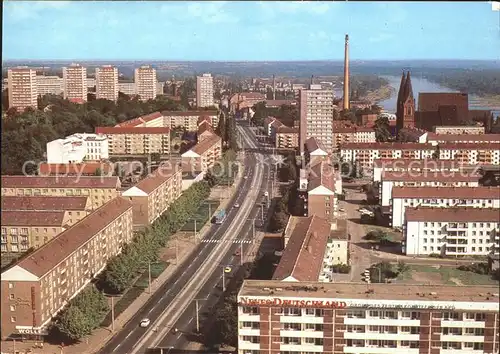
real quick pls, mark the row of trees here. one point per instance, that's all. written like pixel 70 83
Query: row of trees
pixel 287 114
pixel 478 82
pixel 226 129
pixel 33 129
pixel 123 269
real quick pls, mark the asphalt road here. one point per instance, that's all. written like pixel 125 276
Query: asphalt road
pixel 126 339
pixel 209 295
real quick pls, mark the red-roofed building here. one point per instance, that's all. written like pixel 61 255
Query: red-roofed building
pixel 135 140
pixel 76 169
pixel 203 155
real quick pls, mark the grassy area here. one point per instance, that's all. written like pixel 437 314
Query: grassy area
pixel 135 291
pixel 201 216
pixel 445 275
pixel 393 235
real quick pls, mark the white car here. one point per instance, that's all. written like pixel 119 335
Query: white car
pixel 236 205
pixel 145 322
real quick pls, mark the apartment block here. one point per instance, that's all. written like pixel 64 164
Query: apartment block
pixel 189 119
pixel 353 134
pixel 107 83
pixel 471 153
pixel 75 83
pixel 314 151
pixel 432 165
pixel 459 129
pixel 493 139
pixel 136 140
pixel 452 231
pixel 39 286
pixel 23 90
pixel 316 116
pixel 205 91
pixel 412 178
pixel 441 197
pixel 100 190
pixel 287 138
pixel 77 148
pixel 242 100
pixel 311 248
pixel 152 196
pixel 145 83
pixel 314 317
pixel 49 85
pixel 128 88
pixel 76 169
pixel 155 119
pixel 365 153
pixel 203 155
pixel 204 131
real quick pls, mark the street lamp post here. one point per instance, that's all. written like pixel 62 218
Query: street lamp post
pixel 197 306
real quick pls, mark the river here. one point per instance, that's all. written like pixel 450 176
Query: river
pixel 421 85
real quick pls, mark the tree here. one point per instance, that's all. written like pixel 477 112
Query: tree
pixel 118 275
pixel 74 323
pixel 226 321
pixel 210 178
pixel 278 221
pixel 94 303
pixel 382 129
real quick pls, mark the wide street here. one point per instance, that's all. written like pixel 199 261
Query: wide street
pixel 204 266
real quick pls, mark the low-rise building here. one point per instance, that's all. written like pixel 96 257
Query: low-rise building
pixel 493 139
pixel 76 169
pixel 433 165
pixel 154 119
pixel 459 129
pixel 471 153
pixel 77 148
pixel 203 155
pixel 152 196
pixel 137 140
pixel 452 231
pixel 204 131
pixel 441 197
pixel 286 137
pixel 412 178
pixel 37 287
pixel 314 151
pixel 314 317
pixel 99 189
pixel 188 119
pixel 365 153
pixel 353 134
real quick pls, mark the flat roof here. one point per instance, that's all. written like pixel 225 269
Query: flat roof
pixel 390 291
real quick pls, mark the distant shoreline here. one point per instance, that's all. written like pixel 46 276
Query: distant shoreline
pixel 383 93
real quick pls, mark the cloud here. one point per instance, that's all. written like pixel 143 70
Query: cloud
pixel 25 10
pixel 207 12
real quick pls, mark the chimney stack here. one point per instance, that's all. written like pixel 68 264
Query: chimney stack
pixel 274 87
pixel 346 74
pixel 312 79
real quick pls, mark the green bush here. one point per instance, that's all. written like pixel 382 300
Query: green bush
pixel 478 268
pixel 341 268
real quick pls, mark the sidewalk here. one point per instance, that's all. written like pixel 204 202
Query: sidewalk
pixel 101 336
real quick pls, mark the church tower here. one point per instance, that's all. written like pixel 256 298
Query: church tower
pixel 405 111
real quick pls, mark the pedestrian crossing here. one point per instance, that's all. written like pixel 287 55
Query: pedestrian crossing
pixel 218 241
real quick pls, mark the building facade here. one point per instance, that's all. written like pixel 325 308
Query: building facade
pixel 136 140
pixel 49 85
pixel 205 91
pixel 99 189
pixel 307 317
pixel 459 129
pixel 353 134
pixel 471 153
pixel 152 196
pixel 38 287
pixel 128 88
pixel 77 148
pixel 202 156
pixel 452 231
pixel 145 83
pixel 75 82
pixel 23 90
pixel 441 197
pixel 189 119
pixel 287 138
pixel 107 83
pixel 316 116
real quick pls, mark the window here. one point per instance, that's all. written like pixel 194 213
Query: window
pixel 11 296
pixel 11 285
pixel 13 307
pixel 13 319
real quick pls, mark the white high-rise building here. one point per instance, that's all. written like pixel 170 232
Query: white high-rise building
pixel 23 92
pixel 75 82
pixel 107 83
pixel 77 148
pixel 316 116
pixel 146 83
pixel 205 90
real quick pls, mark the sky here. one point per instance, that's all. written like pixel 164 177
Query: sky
pixel 253 30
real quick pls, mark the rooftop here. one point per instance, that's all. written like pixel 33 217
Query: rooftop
pixel 303 255
pixel 313 144
pixel 189 113
pixel 86 168
pixel 464 137
pixel 206 144
pixel 431 164
pixel 287 130
pixel 48 256
pixel 43 203
pixel 155 180
pixel 430 176
pixel 392 291
pixel 60 182
pixel 428 214
pixel 132 130
pixel 469 146
pixel 387 146
pixel 446 192
pixel 32 218
pixel 353 129
pixel 322 174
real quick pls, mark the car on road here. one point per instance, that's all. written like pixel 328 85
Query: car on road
pixel 237 253
pixel 227 270
pixel 236 205
pixel 145 322
pixel 266 194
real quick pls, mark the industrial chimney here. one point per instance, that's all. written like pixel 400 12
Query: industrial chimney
pixel 274 87
pixel 312 79
pixel 346 74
